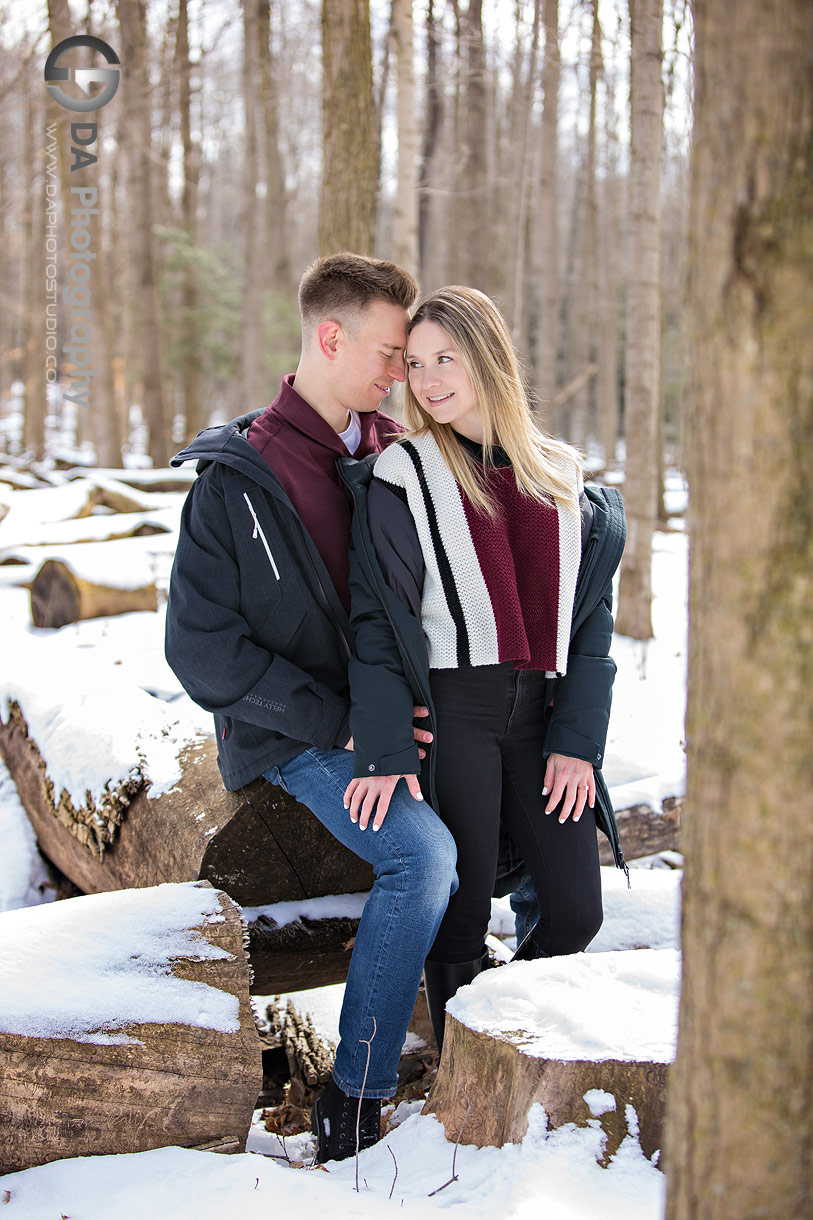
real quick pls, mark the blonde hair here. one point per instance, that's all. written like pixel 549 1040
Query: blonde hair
pixel 542 464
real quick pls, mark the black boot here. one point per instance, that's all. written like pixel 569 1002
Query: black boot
pixel 333 1121
pixel 530 949
pixel 441 981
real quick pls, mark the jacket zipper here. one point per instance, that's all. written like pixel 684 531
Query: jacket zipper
pixel 258 531
pixel 323 598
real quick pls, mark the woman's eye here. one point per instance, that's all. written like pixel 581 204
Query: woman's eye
pixel 444 359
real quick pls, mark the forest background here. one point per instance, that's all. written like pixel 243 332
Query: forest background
pixel 486 144
pixel 660 297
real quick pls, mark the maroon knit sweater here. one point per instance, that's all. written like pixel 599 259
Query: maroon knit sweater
pixel 301 448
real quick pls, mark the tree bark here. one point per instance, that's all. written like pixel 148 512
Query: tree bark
pixel 276 207
pixel 406 200
pixel 135 86
pixel 477 239
pixel 525 161
pixel 546 345
pixel 191 354
pixel 739 1127
pixel 349 161
pixel 34 334
pixel 433 122
pixel 643 325
pixel 251 328
pixel 171 1084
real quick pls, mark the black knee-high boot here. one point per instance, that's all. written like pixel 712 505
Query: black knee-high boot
pixel 441 980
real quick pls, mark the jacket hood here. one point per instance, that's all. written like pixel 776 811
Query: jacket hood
pixel 226 443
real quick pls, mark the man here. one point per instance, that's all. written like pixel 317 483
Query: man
pixel 258 633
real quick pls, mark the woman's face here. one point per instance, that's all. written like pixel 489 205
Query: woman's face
pixel 439 381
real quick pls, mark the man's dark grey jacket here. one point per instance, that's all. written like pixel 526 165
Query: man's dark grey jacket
pixel 255 629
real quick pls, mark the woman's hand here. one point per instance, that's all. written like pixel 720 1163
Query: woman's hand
pixel 361 795
pixel 573 779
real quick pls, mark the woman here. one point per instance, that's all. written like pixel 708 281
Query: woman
pixel 481 581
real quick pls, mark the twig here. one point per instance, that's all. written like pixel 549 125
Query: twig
pixel 453 1178
pixel 368 1042
pixel 395 1179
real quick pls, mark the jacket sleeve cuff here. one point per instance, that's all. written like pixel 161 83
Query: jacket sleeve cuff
pixel 561 739
pixel 404 762
pixel 335 722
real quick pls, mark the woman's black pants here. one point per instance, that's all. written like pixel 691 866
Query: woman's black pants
pixel 490 767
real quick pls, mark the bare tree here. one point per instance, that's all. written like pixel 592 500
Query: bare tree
pixel 349 164
pixel 548 272
pixel 191 376
pixel 475 252
pixel 643 325
pixel 433 118
pixel 253 278
pixel 739 1123
pixel 406 201
pixel 34 320
pixel 135 87
pixel 276 207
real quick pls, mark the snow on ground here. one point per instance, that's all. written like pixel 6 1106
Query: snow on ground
pixel 95 666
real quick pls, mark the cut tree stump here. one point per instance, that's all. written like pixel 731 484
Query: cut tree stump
pixel 495 1067
pixel 59 596
pixel 127 1027
pixel 644 831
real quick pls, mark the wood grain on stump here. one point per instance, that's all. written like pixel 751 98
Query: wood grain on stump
pixel 171 1084
pixel 495 1083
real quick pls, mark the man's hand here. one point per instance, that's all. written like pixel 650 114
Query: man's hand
pixel 418 734
pixel 573 779
pixel 361 795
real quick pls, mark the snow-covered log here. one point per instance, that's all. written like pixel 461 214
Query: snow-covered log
pixel 257 844
pixel 645 831
pixel 59 596
pixel 590 1037
pixel 125 1024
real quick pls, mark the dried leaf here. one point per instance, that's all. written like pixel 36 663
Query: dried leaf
pixel 6 1197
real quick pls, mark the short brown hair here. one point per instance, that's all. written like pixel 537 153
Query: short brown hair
pixel 341 286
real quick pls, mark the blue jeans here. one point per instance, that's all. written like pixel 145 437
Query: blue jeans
pixel 413 856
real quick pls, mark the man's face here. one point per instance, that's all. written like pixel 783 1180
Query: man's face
pixel 372 357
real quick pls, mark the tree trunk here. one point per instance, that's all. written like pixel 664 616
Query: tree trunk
pixel 34 333
pixel 525 163
pixel 150 1082
pixel 546 345
pixel 433 120
pixel 473 219
pixel 276 208
pixel 406 200
pixel 643 326
pixel 607 390
pixel 132 17
pixel 191 353
pixel 739 1129
pixel 252 325
pixel 349 162
pixel 59 596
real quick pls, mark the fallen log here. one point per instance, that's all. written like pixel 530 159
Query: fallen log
pixel 258 844
pixel 644 831
pixel 590 1037
pixel 59 596
pixel 125 1025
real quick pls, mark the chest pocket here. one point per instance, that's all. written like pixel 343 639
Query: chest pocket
pixel 283 606
pixel 258 533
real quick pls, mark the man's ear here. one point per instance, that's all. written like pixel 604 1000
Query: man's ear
pixel 329 335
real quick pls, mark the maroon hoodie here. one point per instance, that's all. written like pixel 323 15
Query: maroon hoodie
pixel 301 448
